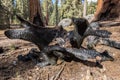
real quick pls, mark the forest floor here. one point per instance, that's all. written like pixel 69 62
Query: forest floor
pixel 11 69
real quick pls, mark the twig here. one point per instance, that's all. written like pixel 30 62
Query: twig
pixel 55 77
pixel 48 77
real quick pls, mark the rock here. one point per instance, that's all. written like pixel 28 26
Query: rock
pixel 89 17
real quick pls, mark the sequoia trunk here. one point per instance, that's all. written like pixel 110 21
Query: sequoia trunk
pixel 107 10
pixel 35 12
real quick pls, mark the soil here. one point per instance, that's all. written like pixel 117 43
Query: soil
pixel 12 69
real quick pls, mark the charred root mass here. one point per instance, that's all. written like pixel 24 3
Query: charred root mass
pixel 43 36
pixel 94 40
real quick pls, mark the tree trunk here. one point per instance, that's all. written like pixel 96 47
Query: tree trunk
pixel 47 13
pixel 85 8
pixel 107 10
pixel 56 12
pixel 36 16
pixel 4 18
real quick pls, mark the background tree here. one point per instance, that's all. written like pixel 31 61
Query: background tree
pixel 47 10
pixel 70 8
pixel 107 10
pixel 36 12
pixel 10 6
pixel 56 12
pixel 85 8
pixel 91 7
pixel 15 6
pixel 21 7
pixel 5 17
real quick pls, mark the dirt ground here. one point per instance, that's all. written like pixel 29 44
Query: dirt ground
pixel 11 69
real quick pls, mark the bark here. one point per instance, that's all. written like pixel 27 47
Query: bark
pixel 56 12
pixel 47 14
pixel 107 10
pixel 36 12
pixel 85 8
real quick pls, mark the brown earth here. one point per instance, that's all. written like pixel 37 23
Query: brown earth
pixel 11 69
